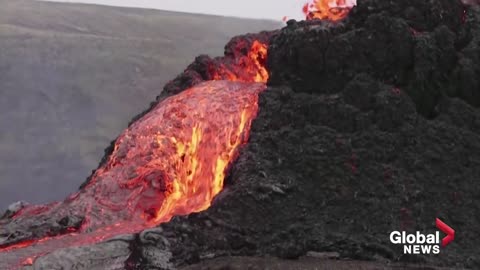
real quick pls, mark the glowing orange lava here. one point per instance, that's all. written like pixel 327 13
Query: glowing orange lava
pixel 332 10
pixel 170 162
pixel 173 160
pixel 249 68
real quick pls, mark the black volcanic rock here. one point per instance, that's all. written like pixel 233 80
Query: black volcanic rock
pixel 429 55
pixel 420 15
pixel 320 175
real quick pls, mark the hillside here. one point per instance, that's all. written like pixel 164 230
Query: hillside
pixel 72 76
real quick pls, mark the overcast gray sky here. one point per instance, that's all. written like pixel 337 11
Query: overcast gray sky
pixel 268 9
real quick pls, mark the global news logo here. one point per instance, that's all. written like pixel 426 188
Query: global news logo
pixel 419 243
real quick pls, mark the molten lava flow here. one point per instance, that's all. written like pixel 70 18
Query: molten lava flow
pixel 173 160
pixel 332 10
pixel 170 162
pixel 246 68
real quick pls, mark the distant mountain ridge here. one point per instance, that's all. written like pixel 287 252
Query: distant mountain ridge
pixel 73 75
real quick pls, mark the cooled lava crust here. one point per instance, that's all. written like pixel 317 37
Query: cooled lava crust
pixel 368 125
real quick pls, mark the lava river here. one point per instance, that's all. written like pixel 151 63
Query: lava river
pixel 170 162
